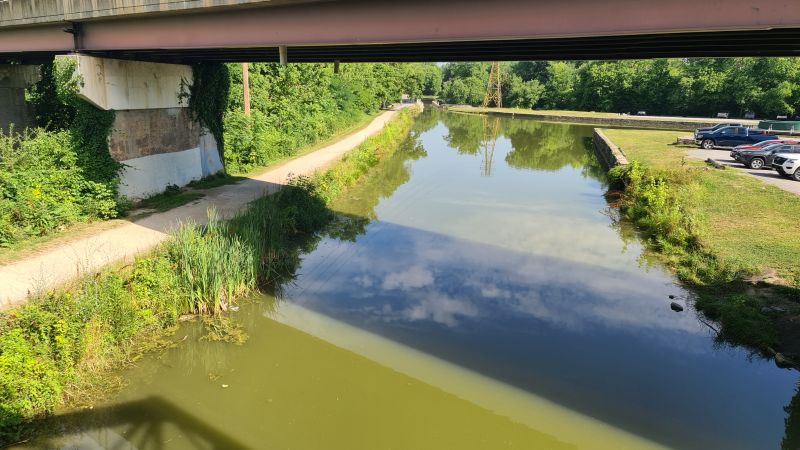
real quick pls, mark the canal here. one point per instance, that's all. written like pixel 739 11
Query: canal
pixel 478 292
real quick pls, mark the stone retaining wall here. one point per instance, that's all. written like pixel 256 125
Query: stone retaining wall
pixel 611 155
pixel 621 121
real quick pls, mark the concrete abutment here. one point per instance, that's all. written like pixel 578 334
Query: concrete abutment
pixel 154 135
pixel 14 111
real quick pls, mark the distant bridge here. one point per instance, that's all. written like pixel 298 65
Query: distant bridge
pixel 389 30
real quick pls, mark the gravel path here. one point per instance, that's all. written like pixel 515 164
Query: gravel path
pixel 55 266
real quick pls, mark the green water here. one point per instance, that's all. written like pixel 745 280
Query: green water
pixel 477 293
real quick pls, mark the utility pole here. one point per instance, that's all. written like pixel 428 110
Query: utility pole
pixel 493 90
pixel 491 127
pixel 246 86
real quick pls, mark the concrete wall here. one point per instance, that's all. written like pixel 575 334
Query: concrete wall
pixel 13 108
pixel 150 175
pixel 161 147
pixel 622 121
pixel 144 132
pixel 117 84
pixel 154 134
pixel 611 155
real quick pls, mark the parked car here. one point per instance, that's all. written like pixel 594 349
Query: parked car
pixel 761 158
pixel 763 144
pixel 732 136
pixel 787 165
pixel 715 128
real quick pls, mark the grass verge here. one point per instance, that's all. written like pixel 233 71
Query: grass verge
pixel 731 237
pixel 58 348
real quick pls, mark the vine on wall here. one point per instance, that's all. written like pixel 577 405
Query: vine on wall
pixel 61 172
pixel 208 99
pixel 58 107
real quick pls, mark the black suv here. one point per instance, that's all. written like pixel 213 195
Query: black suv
pixel 757 159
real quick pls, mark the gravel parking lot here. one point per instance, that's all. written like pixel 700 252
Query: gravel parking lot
pixel 768 176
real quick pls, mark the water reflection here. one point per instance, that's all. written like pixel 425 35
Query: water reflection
pixel 511 311
pixel 491 127
pixel 524 279
pixel 543 146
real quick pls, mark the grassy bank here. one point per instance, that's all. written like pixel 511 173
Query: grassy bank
pixel 60 348
pixel 729 236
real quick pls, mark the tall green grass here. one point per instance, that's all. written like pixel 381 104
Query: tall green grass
pixel 214 266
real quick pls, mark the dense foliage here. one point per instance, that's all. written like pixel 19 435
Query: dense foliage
pixel 44 185
pixel 208 98
pixel 61 172
pixel 694 86
pixel 297 105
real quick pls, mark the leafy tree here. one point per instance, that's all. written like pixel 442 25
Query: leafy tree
pixel 521 94
pixel 687 86
pixel 295 105
pixel 559 87
pixel 470 90
pixel 532 70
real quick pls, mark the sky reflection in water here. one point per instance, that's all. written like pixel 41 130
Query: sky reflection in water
pixel 521 276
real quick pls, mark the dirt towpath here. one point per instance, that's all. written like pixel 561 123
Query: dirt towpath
pixel 37 273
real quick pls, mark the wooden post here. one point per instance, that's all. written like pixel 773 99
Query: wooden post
pixel 336 67
pixel 283 54
pixel 246 86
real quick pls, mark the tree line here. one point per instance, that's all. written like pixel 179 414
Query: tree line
pixel 689 86
pixel 296 105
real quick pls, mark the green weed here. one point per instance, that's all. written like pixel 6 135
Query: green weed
pixel 702 223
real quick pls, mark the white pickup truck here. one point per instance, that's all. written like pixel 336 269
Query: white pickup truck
pixel 787 165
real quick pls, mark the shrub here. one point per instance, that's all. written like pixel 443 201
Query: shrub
pixel 61 173
pixel 28 379
pixel 653 205
pixel 43 186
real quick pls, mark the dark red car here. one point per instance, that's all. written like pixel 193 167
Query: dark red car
pixel 763 144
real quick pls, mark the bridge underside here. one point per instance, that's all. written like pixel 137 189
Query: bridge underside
pixel 423 30
pixel 784 42
pixel 779 42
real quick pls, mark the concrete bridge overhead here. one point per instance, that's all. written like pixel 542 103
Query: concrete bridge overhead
pixel 396 30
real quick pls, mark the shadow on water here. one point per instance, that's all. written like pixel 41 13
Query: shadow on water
pixel 137 424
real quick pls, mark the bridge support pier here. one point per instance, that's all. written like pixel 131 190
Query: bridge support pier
pixel 154 134
pixel 14 111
